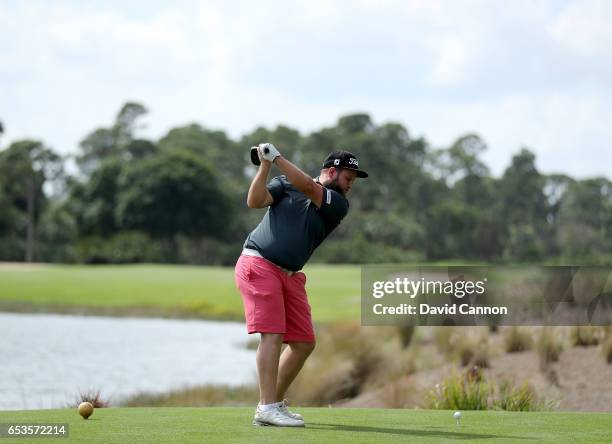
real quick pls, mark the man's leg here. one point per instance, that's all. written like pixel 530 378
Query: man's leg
pixel 291 362
pixel 299 333
pixel 268 354
pixel 260 285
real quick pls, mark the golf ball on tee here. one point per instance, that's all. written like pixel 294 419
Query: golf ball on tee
pixel 457 415
pixel 85 409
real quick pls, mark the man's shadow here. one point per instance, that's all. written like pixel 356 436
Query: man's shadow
pixel 409 432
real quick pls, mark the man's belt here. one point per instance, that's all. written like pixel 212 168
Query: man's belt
pixel 251 252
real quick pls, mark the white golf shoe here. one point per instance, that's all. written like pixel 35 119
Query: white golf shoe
pixel 285 409
pixel 275 417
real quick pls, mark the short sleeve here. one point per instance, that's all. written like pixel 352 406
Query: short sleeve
pixel 334 205
pixel 276 187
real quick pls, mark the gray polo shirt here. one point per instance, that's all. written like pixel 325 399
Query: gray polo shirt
pixel 293 227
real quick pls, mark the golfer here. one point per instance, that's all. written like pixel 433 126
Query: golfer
pixel 302 211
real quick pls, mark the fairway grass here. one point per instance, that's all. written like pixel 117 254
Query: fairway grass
pixel 233 425
pixel 164 290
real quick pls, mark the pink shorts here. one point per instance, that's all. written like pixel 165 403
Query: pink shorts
pixel 274 301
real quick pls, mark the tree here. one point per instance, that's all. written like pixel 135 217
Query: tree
pixel 26 166
pixel 585 218
pixel 96 146
pixel 93 202
pixel 355 123
pixel 396 162
pixel 555 190
pixel 57 233
pixel 116 141
pixel 523 191
pixel 10 216
pixel 398 144
pixel 138 149
pixel 392 158
pixel 461 167
pixel 215 147
pixel 125 122
pixel 174 193
pixel 451 230
pixel 288 140
pixel 524 208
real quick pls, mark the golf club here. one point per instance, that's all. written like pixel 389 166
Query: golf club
pixel 255 157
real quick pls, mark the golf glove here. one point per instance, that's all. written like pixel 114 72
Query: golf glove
pixel 268 151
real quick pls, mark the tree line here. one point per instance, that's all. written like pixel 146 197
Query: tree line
pixel 182 198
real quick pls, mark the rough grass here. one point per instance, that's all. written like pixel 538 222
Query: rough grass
pixel 472 391
pixel 233 424
pixel 166 290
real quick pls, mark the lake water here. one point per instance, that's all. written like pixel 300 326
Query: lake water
pixel 46 360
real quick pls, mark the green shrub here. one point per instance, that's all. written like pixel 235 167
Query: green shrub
pixel 123 248
pixel 206 251
pixel 56 253
pixel 359 250
pixel 12 249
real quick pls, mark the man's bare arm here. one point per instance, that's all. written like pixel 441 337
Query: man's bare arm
pixel 301 180
pixel 259 196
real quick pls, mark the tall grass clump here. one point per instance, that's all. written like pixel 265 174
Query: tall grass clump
pixel 92 396
pixel 444 339
pixel 467 391
pixel 472 351
pixel 606 348
pixel 517 340
pixel 348 361
pixel 471 391
pixel 517 399
pixel 585 336
pixel 549 347
pixel 406 333
pixel 468 345
pixel 481 357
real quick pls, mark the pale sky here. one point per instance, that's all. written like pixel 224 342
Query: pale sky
pixel 519 73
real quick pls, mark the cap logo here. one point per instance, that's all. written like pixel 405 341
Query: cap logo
pixel 353 161
pixel 336 161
